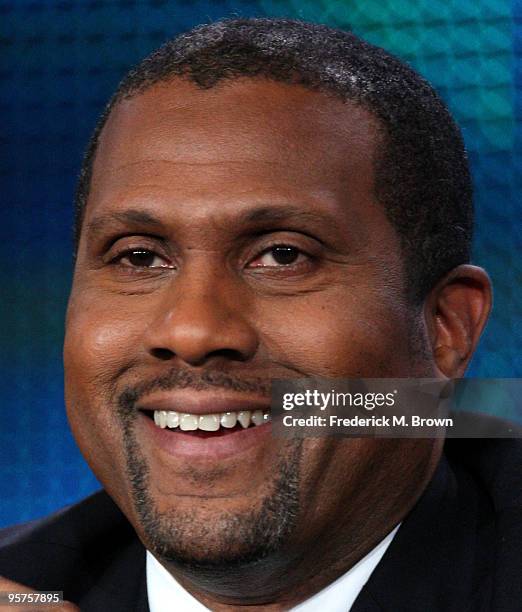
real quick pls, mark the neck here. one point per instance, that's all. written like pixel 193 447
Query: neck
pixel 301 582
pixel 306 565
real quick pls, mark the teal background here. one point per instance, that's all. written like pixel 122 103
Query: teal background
pixel 59 62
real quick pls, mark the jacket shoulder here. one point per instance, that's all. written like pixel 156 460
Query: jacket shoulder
pixel 69 527
pixel 495 465
pixel 71 547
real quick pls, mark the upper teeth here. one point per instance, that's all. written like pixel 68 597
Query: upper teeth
pixel 209 422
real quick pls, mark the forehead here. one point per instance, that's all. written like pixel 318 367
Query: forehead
pixel 210 152
pixel 281 116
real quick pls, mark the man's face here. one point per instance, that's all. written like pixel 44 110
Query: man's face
pixel 232 236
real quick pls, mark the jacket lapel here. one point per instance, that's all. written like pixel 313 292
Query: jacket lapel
pixel 439 559
pixel 122 587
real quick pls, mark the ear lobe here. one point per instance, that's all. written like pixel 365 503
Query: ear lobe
pixel 456 313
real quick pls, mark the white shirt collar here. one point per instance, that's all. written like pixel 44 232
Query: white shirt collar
pixel 167 595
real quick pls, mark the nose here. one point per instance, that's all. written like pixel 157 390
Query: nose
pixel 201 319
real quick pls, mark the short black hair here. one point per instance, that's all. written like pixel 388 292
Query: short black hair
pixel 421 169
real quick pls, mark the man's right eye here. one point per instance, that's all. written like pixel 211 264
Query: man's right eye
pixel 141 258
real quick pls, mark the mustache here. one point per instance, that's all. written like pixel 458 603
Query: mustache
pixel 182 379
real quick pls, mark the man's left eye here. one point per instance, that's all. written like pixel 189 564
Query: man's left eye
pixel 277 256
pixel 142 258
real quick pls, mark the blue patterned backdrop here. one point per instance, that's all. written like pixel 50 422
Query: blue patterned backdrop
pixel 59 62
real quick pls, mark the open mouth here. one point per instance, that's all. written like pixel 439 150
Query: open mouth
pixel 213 424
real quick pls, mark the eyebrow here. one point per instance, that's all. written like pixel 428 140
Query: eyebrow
pixel 271 214
pixel 257 216
pixel 127 217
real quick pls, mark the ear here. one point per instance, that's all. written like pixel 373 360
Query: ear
pixel 456 312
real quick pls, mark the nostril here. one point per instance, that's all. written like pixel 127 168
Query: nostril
pixel 162 353
pixel 229 354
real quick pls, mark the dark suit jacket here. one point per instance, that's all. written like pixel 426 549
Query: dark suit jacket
pixel 459 550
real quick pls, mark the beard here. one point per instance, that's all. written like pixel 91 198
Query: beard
pixel 194 539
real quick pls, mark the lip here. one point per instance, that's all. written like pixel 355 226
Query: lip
pixel 184 446
pixel 202 402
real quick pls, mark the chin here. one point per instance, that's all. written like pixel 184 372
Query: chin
pixel 209 534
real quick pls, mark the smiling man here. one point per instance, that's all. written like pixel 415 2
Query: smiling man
pixel 267 199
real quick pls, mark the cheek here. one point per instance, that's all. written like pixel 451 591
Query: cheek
pixel 342 334
pixel 100 339
pixel 98 344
